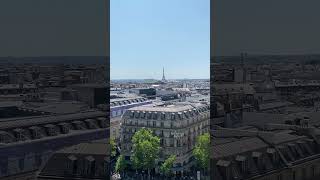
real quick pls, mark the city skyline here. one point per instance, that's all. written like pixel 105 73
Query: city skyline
pixel 144 39
pixel 158 78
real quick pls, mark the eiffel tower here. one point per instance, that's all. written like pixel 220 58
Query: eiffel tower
pixel 163 77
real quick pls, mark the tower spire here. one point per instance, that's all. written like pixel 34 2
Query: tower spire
pixel 163 77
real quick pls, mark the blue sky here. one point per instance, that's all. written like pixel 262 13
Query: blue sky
pixel 146 35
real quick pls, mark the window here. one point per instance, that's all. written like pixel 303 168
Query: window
pixel 171 143
pixel 38 160
pixel 154 123
pixel 3 167
pixel 172 116
pixel 178 143
pixel 21 164
pixel 163 115
pixel 114 113
pixel 304 172
pixel 313 170
pixel 155 116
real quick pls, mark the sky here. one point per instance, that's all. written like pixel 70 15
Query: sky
pixel 53 28
pixel 147 35
pixel 265 27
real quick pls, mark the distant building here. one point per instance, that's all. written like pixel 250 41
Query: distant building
pixel 10 89
pixel 147 92
pixel 92 94
pixel 118 107
pixel 239 74
pixel 168 95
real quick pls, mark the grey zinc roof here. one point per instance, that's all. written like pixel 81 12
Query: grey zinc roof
pixel 251 118
pixel 237 147
pixel 90 85
pixel 283 137
pixel 32 121
pixel 10 103
pixel 170 108
pixel 87 148
pixel 56 165
pixel 58 107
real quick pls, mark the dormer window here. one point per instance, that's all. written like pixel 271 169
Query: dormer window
pixel 172 116
pixel 137 114
pixel 143 115
pixel 163 116
pixel 72 166
pixel 242 163
pixel 50 128
pixel 102 122
pixel 90 124
pixel 258 159
pixel 3 137
pixel 35 132
pixel 64 127
pixel 155 115
pixel 89 165
pixel 19 134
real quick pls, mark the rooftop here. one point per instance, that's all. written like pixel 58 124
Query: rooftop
pixel 87 148
pixel 168 108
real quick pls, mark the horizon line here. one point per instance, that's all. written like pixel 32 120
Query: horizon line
pixel 155 79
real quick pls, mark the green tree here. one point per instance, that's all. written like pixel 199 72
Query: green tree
pixel 113 147
pixel 145 149
pixel 121 164
pixel 167 165
pixel 201 151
